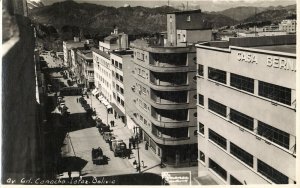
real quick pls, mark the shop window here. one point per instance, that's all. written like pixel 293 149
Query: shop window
pixel 216 138
pixel 275 92
pixel 217 75
pixel 241 82
pixel 271 173
pixel 217 107
pixel 241 154
pixel 241 119
pixel 273 134
pixel 218 169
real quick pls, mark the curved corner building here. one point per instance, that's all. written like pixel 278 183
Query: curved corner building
pixel 164 88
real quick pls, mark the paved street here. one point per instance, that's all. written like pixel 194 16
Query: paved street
pixel 83 136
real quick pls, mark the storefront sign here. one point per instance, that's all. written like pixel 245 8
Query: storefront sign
pixel 176 178
pixel 281 63
pixel 246 57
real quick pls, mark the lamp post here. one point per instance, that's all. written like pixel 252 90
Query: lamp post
pixel 139 166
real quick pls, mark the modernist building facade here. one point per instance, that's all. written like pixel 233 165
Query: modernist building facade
pixel 163 90
pixel 118 59
pixel 289 26
pixel 85 67
pixel 247 110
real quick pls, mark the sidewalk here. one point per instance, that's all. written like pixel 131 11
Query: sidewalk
pixel 151 161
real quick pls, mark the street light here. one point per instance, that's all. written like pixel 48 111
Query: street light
pixel 139 166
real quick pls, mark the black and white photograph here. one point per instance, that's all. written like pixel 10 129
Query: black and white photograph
pixel 149 92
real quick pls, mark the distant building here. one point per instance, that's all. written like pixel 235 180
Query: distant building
pixel 160 97
pixel 118 59
pixel 85 67
pixel 103 65
pixel 289 26
pixel 115 41
pixel 246 90
pixel 68 45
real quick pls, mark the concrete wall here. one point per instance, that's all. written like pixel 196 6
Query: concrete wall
pixel 19 128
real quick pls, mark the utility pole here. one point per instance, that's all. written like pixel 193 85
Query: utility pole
pixel 136 132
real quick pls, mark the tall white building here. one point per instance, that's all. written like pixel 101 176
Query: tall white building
pixel 247 110
pixel 289 26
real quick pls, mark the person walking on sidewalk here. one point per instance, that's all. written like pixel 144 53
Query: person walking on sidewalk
pixel 112 122
pixel 134 164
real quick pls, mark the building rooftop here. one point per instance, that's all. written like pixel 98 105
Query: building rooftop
pixel 279 48
pixel 122 52
pixel 87 53
pixel 185 12
pixel 104 54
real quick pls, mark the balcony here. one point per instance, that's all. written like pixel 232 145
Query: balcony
pixel 170 118
pixel 177 81
pixel 169 99
pixel 168 60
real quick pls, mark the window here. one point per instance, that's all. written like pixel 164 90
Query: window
pixel 121 78
pixel 275 135
pixel 218 169
pixel 241 154
pixel 122 102
pixel 201 156
pixel 200 70
pixel 116 64
pixel 117 76
pixel 200 99
pixel 241 82
pixel 217 107
pixel 271 173
pixel 217 75
pixel 234 181
pixel 178 36
pixel 201 128
pixel 118 87
pixel 188 18
pixel 113 62
pixel 275 92
pixel 122 90
pixel 218 139
pixel 241 119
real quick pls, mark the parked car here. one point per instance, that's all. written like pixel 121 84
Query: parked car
pixel 119 148
pixel 107 136
pixel 103 128
pixel 97 156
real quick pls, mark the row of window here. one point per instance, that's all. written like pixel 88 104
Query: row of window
pixel 271 133
pixel 268 171
pixel 119 89
pixel 119 100
pixel 117 76
pixel 270 91
pixel 140 56
pixel 117 64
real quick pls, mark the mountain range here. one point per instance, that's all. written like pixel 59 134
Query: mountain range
pixel 94 19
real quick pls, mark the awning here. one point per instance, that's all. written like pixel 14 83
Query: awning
pixel 100 97
pixel 95 91
pixel 117 109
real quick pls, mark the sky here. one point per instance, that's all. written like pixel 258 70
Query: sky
pixel 205 5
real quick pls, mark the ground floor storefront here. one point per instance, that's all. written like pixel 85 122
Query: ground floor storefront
pixel 178 155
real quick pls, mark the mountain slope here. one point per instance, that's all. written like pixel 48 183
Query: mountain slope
pixel 132 20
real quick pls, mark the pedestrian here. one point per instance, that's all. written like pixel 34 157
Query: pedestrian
pixel 69 174
pixel 134 164
pixel 129 144
pixel 133 144
pixel 143 164
pixel 115 115
pixel 110 144
pixel 112 122
pixel 128 153
pixel 77 100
